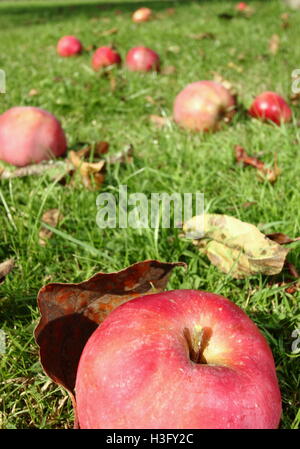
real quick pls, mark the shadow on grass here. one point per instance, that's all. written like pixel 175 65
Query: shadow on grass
pixel 55 9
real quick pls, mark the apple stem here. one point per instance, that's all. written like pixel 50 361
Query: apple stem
pixel 195 344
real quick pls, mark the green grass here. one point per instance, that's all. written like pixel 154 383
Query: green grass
pixel 165 160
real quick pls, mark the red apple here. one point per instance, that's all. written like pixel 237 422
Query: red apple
pixel 30 135
pixel 177 360
pixel 241 6
pixel 271 106
pixel 203 106
pixel 69 46
pixel 142 59
pixel 105 57
pixel 141 15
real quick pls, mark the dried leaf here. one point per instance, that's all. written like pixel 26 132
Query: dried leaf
pixel 51 217
pixel 282 239
pixel 236 247
pixel 33 92
pixel 71 312
pixel 265 173
pixel 218 78
pixel 201 36
pixel 5 268
pixel 92 173
pixel 168 70
pixel 292 269
pixel 159 121
pixel 274 44
pixel 285 20
pixel 109 32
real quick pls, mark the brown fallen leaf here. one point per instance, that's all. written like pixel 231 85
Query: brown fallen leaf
pixel 92 173
pixel 282 239
pixel 168 70
pixel 159 121
pixel 5 268
pixel 235 247
pixel 295 98
pixel 264 173
pixel 292 270
pixel 285 20
pixel 274 44
pixel 33 92
pixel 69 313
pixel 201 36
pixel 51 217
pixel 218 78
pixel 170 11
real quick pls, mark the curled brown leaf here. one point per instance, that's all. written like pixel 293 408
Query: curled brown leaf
pixel 51 217
pixel 264 173
pixel 69 313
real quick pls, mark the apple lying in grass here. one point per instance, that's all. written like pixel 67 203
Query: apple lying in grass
pixel 142 59
pixel 105 57
pixel 178 359
pixel 30 135
pixel 270 106
pixel 142 15
pixel 203 106
pixel 69 46
pixel 241 6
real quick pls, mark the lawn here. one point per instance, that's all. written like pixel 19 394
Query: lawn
pixel 93 108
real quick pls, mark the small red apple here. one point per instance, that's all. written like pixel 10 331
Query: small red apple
pixel 179 359
pixel 105 57
pixel 142 59
pixel 270 106
pixel 241 6
pixel 203 105
pixel 30 135
pixel 142 15
pixel 69 46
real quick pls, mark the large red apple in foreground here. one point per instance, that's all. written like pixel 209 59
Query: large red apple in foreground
pixel 69 46
pixel 203 106
pixel 29 135
pixel 105 57
pixel 142 59
pixel 178 359
pixel 271 106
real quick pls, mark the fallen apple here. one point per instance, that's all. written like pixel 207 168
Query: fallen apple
pixel 270 106
pixel 105 57
pixel 30 135
pixel 69 46
pixel 241 6
pixel 203 106
pixel 142 59
pixel 178 359
pixel 142 15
